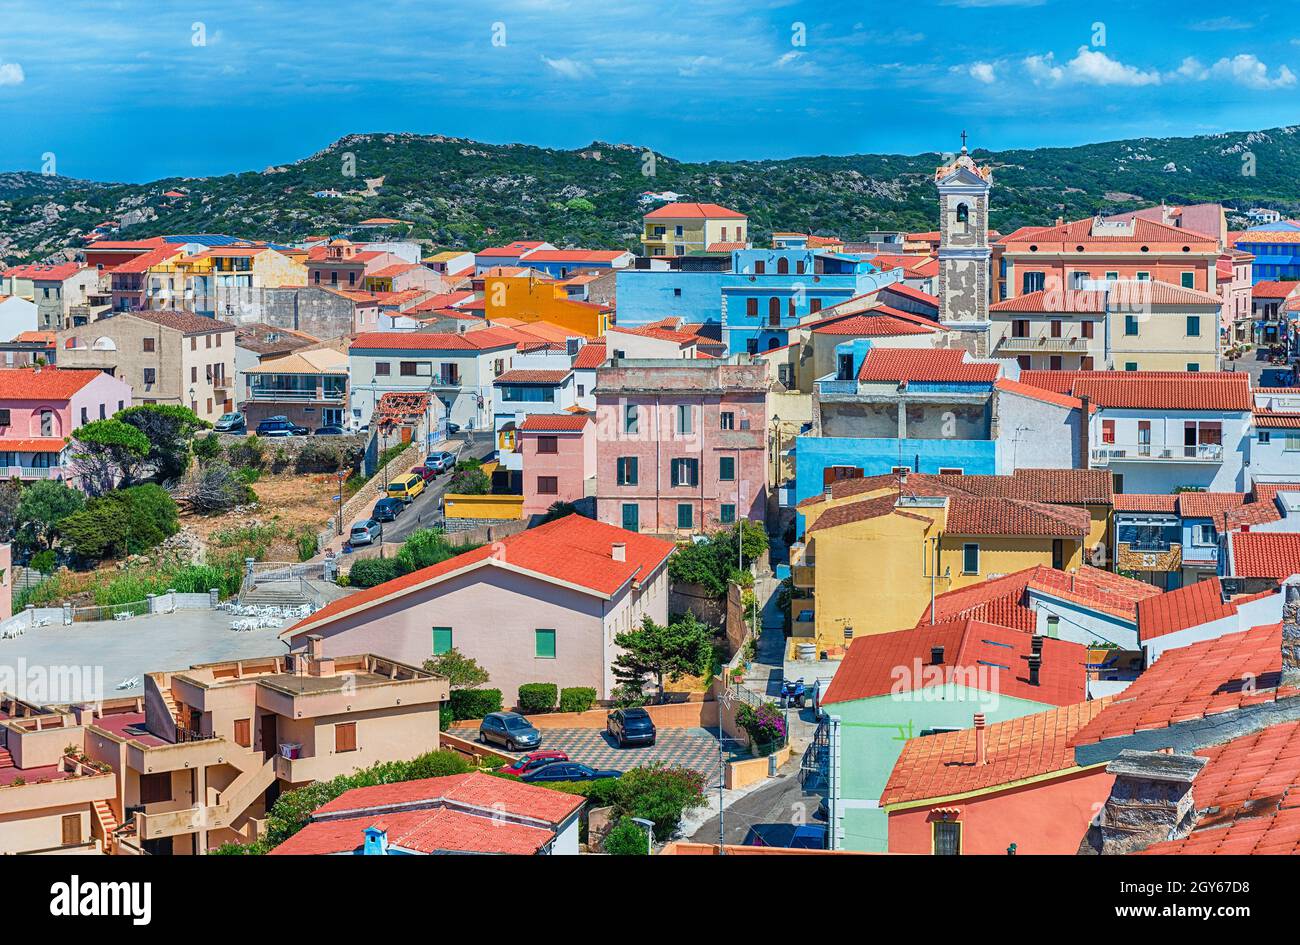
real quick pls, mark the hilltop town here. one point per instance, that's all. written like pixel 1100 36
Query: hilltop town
pixel 945 542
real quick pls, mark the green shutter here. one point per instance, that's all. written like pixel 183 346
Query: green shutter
pixel 632 517
pixel 685 516
pixel 728 514
pixel 441 640
pixel 726 468
pixel 545 644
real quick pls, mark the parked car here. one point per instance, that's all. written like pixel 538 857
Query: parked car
pixel 330 431
pixel 280 426
pixel 534 760
pixel 440 462
pixel 424 472
pixel 405 487
pixel 452 428
pixel 631 727
pixel 231 423
pixel 510 730
pixel 366 532
pixel 387 510
pixel 1276 377
pixel 569 771
pixel 789 836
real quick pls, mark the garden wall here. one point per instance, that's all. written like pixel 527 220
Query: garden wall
pixel 673 715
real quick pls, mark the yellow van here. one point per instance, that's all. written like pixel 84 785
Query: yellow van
pixel 406 487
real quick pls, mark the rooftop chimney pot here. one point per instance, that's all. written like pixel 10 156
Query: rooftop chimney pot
pixel 619 551
pixel 936 655
pixel 981 746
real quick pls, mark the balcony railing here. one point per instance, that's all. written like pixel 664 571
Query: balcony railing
pixel 30 472
pixel 296 394
pixel 1150 452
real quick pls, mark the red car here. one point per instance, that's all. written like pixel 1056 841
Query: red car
pixel 424 472
pixel 532 761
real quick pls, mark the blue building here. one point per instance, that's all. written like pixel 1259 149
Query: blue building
pixel 1276 248
pixel 685 287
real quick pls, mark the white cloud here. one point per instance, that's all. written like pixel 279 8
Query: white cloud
pixel 1243 69
pixel 1220 24
pixel 694 67
pixel 984 72
pixel 1044 68
pixel 569 68
pixel 785 60
pixel 1088 67
pixel 11 73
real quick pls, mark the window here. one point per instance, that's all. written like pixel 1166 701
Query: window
pixel 243 733
pixel 383 369
pixel 1203 534
pixel 148 344
pixel 626 467
pixel 1112 276
pixel 1193 326
pixel 194 375
pixel 545 644
pixel 85 418
pixel 5 419
pixel 683 418
pixel 760 267
pixel 1108 431
pixel 751 308
pixel 1054 362
pixel 194 342
pixel 727 468
pixel 1144 277
pixel 727 514
pixel 1263 436
pixel 631 517
pixel 441 640
pixel 783 266
pixel 963 213
pixel 1086 329
pixel 1077 279
pixel 1130 365
pixel 155 788
pixel 950 471
pixel 1130 325
pixel 1056 328
pixel 1020 328
pixel 1292 443
pixel 548 444
pixel 727 420
pixel 685 515
pixel 47 423
pixel 1188 280
pixel 844 367
pixel 548 485
pixel 629 418
pixel 1025 362
pixel 345 737
pixel 970 559
pixel 1193 367
pixel 685 472
pixel 1031 282
pixel 947 838
pixel 415 368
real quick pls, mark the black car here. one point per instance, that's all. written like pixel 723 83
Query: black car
pixel 329 431
pixel 631 727
pixel 280 426
pixel 387 510
pixel 568 771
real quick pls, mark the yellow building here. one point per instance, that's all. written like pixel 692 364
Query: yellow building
pixel 530 296
pixel 676 229
pixel 877 549
pixel 1155 326
pixel 206 282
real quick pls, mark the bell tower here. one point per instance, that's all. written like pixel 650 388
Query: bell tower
pixel 964 253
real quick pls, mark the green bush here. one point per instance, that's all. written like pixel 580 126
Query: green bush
pixel 535 697
pixel 206 448
pixel 248 474
pixel 627 839
pixel 124 521
pixel 577 699
pixel 249 451
pixel 44 561
pixel 473 703
pixel 371 572
pixel 306 545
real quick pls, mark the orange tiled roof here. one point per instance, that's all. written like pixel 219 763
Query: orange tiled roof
pixel 1080 233
pixel 555 423
pixel 478 340
pixel 1188 606
pixel 874 326
pixel 693 211
pixel 1264 554
pixel 1143 502
pixel 943 365
pixel 1003 599
pixel 50 383
pixel 590 356
pixel 903 288
pixel 1277 420
pixel 525 376
pixel 991 515
pixel 1030 746
pixel 1273 290
pixel 1125 294
pixel 1151 390
pixel 1009 386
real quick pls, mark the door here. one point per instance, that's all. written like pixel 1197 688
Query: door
pixel 632 517
pixel 1144 437
pixel 270 739
pixel 71 830
pixel 1058 554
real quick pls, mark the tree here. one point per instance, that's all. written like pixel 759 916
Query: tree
pixel 169 429
pixel 11 493
pixel 627 838
pixel 109 453
pixel 469 479
pixel 681 648
pixel 558 510
pixel 206 448
pixel 659 793
pixel 213 487
pixel 43 506
pixel 462 672
pixel 125 521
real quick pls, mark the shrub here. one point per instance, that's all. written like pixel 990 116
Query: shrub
pixel 44 561
pixel 659 793
pixel 306 545
pixel 124 521
pixel 206 448
pixel 627 839
pixel 249 451
pixel 248 474
pixel 537 697
pixel 370 572
pixel 577 699
pixel 474 703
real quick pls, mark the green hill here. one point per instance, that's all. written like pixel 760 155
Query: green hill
pixel 461 193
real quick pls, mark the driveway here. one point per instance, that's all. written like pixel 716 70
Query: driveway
pixel 695 748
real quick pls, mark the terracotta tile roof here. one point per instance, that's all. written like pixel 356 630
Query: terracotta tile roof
pixel 50 383
pixel 980 655
pixel 904 289
pixel 516 248
pixel 680 338
pixel 1246 797
pixel 1005 600
pixel 1009 386
pixel 41 272
pixel 36 337
pixel 479 340
pixel 1208 504
pixel 555 423
pixel 33 444
pixel 471 790
pixel 1122 295
pixel 1264 554
pixel 396 269
pixel 908 365
pixel 728 247
pixel 1273 290
pixel 442 300
pixel 693 211
pixel 1054 486
pixel 575 255
pixel 591 356
pixel 1080 232
pixel 1277 420
pixel 1194 682
pixel 1188 606
pixel 990 515
pixel 184 322
pixel 1140 502
pixel 523 376
pixel 874 326
pixel 572 550
pixel 855 512
pixel 1030 746
pixel 1151 390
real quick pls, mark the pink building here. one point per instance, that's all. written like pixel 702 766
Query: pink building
pixel 681 446
pixel 559 454
pixel 540 606
pixel 40 408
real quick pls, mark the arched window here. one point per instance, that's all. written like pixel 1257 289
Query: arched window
pixel 773 344
pixel 47 423
pixel 782 266
pixel 774 308
pixel 104 344
pixel 963 213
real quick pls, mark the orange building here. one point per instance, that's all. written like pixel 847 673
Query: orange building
pixel 530 296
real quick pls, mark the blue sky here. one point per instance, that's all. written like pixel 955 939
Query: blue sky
pixel 135 91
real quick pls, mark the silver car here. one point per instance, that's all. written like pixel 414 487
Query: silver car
pixel 364 533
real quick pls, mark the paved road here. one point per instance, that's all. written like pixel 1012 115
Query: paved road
pixel 695 748
pixel 781 801
pixel 426 510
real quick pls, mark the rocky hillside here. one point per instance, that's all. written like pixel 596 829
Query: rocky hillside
pixel 460 193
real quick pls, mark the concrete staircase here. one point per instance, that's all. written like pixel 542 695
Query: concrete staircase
pixel 172 710
pixel 6 759
pixel 105 825
pixel 278 594
pixel 243 791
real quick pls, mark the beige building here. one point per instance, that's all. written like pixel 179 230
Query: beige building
pixel 196 762
pixel 167 357
pixel 676 229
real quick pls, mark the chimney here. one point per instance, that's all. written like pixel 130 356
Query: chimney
pixel 1085 448
pixel 981 748
pixel 1035 665
pixel 1150 800
pixel 1036 645
pixel 1291 631
pixel 376 841
pixel 936 656
pixel 315 646
pixel 828 494
pixel 619 551
pixel 1053 626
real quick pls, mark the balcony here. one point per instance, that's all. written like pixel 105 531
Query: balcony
pixel 1046 344
pixel 31 472
pixel 294 395
pixel 1148 452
